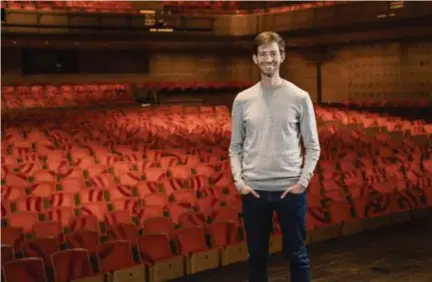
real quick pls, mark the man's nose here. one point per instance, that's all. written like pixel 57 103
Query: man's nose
pixel 267 58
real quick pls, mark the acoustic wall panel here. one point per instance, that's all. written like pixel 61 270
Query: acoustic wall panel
pixel 201 67
pixel 170 66
pixel 301 71
pixel 416 70
pixel 378 71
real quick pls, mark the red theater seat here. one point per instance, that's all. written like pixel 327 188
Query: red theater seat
pixel 25 270
pixel 115 258
pixel 199 257
pixel 74 264
pixel 74 6
pixel 82 173
pixel 156 249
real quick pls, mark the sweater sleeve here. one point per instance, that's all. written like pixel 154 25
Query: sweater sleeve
pixel 236 144
pixel 309 132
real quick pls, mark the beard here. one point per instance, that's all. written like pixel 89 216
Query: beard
pixel 269 70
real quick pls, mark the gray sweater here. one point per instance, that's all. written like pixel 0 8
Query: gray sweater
pixel 267 126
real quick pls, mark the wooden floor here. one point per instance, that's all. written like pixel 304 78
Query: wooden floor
pixel 398 253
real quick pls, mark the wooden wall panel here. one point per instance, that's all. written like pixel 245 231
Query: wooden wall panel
pixel 379 71
pixel 163 66
pixel 416 69
pixel 172 66
pixel 300 70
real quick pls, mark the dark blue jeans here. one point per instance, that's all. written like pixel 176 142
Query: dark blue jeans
pixel 257 215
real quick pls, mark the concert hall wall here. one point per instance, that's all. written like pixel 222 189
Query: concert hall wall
pixel 369 70
pixel 119 65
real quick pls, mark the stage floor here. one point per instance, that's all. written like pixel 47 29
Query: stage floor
pixel 399 253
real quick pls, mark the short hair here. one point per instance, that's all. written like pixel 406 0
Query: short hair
pixel 269 37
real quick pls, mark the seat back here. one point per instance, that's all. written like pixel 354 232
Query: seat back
pixel 71 264
pixel 7 254
pixel 160 225
pixel 124 231
pixel 114 255
pixel 25 270
pixel 154 247
pixel 191 239
pixel 83 238
pixel 41 247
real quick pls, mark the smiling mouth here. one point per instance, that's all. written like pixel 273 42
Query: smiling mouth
pixel 268 67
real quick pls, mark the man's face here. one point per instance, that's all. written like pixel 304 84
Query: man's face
pixel 268 59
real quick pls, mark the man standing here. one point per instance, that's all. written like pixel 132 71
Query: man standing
pixel 268 121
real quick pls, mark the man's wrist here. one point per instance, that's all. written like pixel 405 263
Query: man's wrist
pixel 303 184
pixel 240 185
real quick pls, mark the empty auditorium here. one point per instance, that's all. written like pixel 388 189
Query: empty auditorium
pixel 208 141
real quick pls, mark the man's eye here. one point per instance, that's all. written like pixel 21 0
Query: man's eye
pixel 271 54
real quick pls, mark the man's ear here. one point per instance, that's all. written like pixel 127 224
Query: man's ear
pixel 255 59
pixel 282 57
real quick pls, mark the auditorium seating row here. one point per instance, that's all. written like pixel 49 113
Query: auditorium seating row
pixel 75 6
pixel 73 95
pixel 300 6
pixel 52 96
pixel 233 7
pixel 393 103
pixel 195 85
pixel 158 253
pixel 215 7
pixel 383 125
pixel 96 170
